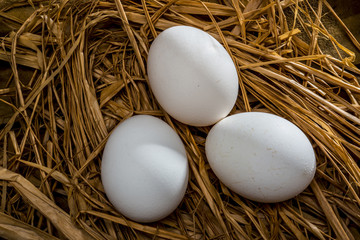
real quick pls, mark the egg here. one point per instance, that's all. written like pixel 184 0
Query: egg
pixel 144 169
pixel 261 156
pixel 192 76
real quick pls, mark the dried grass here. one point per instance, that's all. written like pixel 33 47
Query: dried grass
pixel 89 61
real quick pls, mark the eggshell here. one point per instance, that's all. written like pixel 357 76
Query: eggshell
pixel 144 169
pixel 192 76
pixel 261 156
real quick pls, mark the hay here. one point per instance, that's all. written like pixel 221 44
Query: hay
pixel 89 61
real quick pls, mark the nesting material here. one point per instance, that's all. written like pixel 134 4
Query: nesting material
pixel 89 73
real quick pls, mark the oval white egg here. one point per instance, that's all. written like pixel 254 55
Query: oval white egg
pixel 261 156
pixel 192 76
pixel 144 169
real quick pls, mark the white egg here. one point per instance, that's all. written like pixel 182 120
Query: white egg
pixel 192 76
pixel 144 169
pixel 261 156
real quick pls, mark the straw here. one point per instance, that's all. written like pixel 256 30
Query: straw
pixel 89 74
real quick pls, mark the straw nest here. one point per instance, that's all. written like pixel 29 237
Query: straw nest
pixel 88 61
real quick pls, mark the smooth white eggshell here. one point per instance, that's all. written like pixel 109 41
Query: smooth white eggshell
pixel 261 156
pixel 192 76
pixel 144 169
